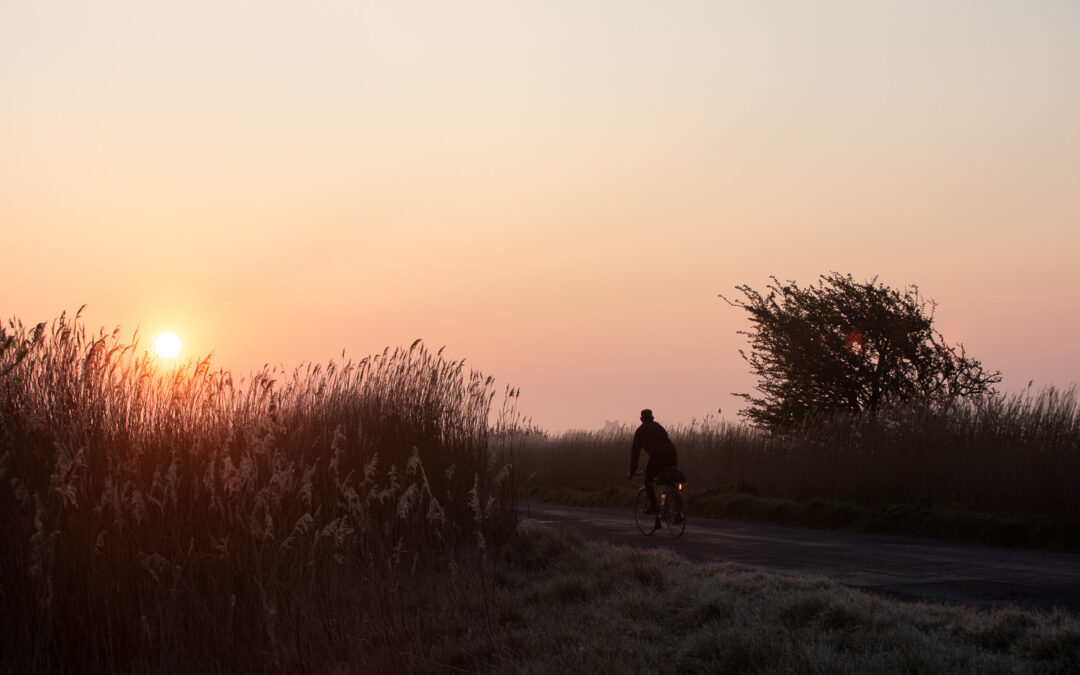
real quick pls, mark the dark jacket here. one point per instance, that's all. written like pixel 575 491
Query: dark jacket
pixel 653 438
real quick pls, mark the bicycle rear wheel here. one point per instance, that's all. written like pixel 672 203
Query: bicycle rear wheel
pixel 646 522
pixel 673 513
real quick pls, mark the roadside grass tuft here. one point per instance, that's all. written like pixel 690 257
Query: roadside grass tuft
pixel 996 631
pixel 568 591
pixel 1057 645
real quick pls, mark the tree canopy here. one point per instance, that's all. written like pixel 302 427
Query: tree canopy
pixel 844 345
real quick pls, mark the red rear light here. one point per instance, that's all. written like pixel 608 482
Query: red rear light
pixel 680 487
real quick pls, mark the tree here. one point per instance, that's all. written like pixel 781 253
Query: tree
pixel 843 345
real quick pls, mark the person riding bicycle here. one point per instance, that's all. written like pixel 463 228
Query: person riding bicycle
pixel 653 438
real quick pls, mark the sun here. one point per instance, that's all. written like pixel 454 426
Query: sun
pixel 167 345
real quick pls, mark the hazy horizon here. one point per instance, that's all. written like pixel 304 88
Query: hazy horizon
pixel 555 192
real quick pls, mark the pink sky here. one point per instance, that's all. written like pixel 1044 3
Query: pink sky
pixel 556 192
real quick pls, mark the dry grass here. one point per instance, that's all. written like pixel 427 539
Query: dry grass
pixel 172 519
pixel 1018 454
pixel 567 605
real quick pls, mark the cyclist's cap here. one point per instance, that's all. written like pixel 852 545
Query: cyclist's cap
pixel 646 414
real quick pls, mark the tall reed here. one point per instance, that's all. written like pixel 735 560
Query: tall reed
pixel 1007 453
pixel 169 518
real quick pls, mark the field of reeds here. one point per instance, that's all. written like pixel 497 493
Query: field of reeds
pixel 162 518
pixel 1008 454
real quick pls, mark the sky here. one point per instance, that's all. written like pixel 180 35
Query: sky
pixel 556 191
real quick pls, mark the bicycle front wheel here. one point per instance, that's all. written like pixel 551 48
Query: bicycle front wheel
pixel 646 522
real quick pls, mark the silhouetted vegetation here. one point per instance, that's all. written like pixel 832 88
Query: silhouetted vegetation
pixel 171 519
pixel 359 517
pixel 1006 455
pixel 847 346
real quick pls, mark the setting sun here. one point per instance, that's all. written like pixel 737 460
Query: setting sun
pixel 167 345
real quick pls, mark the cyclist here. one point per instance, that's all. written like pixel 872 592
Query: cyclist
pixel 653 438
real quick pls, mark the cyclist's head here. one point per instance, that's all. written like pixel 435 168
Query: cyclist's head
pixel 646 415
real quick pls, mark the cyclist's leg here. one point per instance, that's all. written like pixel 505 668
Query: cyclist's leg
pixel 663 468
pixel 651 469
pixel 676 497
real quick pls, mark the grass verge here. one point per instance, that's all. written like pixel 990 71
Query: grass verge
pixel 1041 532
pixel 552 602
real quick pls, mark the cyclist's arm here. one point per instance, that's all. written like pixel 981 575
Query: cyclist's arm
pixel 635 450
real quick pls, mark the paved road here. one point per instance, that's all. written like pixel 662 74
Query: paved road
pixel 923 569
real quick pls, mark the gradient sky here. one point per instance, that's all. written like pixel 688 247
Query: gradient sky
pixel 556 191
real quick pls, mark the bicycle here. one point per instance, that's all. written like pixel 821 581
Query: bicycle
pixel 671 517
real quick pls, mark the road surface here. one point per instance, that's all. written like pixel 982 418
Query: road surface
pixel 922 569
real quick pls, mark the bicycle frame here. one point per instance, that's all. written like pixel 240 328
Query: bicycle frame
pixel 670 518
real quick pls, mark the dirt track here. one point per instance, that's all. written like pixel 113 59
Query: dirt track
pixel 901 566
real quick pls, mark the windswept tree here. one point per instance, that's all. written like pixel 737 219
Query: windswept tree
pixel 844 345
